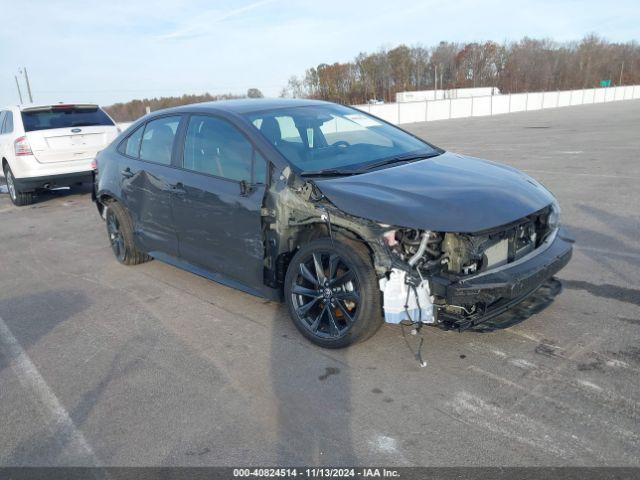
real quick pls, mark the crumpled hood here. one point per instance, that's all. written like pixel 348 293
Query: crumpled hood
pixel 447 193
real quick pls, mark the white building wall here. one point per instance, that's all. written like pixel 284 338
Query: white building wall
pixel 476 106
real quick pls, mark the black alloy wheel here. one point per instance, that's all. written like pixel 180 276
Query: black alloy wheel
pixel 326 294
pixel 332 293
pixel 115 236
pixel 120 232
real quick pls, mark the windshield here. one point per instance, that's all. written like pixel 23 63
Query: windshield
pixel 63 117
pixel 329 137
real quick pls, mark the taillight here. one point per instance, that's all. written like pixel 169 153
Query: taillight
pixel 94 164
pixel 22 147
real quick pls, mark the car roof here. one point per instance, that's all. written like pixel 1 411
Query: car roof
pixel 246 105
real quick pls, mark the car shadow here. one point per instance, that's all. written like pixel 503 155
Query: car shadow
pixel 43 196
pixel 536 303
pixel 29 317
pixel 313 394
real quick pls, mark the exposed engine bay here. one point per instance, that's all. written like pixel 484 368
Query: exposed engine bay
pixel 448 257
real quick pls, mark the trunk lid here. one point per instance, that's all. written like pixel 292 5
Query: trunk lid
pixel 64 144
pixel 60 133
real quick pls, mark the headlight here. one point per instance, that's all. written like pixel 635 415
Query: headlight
pixel 554 216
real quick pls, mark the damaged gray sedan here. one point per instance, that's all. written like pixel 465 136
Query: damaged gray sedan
pixel 348 219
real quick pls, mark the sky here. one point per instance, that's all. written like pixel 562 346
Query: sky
pixel 112 51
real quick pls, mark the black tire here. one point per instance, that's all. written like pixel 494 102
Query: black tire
pixel 18 198
pixel 348 279
pixel 120 232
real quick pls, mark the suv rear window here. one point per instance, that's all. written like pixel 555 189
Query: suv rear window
pixel 64 117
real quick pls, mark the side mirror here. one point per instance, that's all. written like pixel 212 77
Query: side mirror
pixel 245 188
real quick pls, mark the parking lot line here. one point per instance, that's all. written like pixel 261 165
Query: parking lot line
pixel 579 174
pixel 30 379
pixel 606 251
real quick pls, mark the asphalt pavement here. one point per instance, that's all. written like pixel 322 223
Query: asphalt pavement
pixel 102 364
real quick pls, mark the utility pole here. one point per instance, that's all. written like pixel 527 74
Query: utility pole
pixel 26 77
pixel 18 85
pixel 435 79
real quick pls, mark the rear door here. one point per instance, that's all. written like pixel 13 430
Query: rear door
pixel 60 133
pixel 147 181
pixel 217 210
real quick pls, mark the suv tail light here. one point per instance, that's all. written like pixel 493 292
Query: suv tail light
pixel 94 164
pixel 22 147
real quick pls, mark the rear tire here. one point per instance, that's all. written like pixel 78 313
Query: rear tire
pixel 332 293
pixel 120 232
pixel 18 198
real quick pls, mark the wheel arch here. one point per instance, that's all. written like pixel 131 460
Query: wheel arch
pixel 313 231
pixel 103 199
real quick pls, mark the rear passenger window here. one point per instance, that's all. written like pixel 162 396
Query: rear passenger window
pixel 2 122
pixel 215 147
pixel 8 123
pixel 131 146
pixel 157 140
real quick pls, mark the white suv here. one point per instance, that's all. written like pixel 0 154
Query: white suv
pixel 49 146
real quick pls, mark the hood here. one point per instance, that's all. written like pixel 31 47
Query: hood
pixel 447 193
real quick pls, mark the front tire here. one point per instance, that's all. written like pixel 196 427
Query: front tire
pixel 332 293
pixel 18 198
pixel 120 231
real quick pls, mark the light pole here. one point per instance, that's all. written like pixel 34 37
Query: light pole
pixel 18 85
pixel 26 79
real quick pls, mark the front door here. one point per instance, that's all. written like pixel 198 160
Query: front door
pixel 217 209
pixel 148 181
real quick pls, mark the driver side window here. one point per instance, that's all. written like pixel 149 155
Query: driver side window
pixel 215 147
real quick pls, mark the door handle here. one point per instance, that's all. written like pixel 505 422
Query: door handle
pixel 178 188
pixel 127 173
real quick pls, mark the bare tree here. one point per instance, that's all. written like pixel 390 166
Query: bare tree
pixel 526 65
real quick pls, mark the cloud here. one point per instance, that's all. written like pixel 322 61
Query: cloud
pixel 201 26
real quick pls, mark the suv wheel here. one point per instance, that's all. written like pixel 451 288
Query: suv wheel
pixel 18 198
pixel 332 293
pixel 120 231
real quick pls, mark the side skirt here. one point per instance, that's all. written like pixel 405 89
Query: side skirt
pixel 266 292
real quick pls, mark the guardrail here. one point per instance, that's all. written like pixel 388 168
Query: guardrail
pixel 430 110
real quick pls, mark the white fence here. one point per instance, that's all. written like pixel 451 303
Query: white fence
pixel 422 95
pixel 429 110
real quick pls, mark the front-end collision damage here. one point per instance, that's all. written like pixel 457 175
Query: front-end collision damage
pixel 454 280
pixel 473 277
pixel 296 212
pixel 302 213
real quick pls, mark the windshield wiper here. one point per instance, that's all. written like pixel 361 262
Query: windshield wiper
pixel 398 159
pixel 331 172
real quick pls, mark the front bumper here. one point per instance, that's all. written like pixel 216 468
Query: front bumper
pixel 500 289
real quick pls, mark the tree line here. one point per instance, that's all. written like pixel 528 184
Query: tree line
pixel 527 65
pixel 521 66
pixel 129 111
